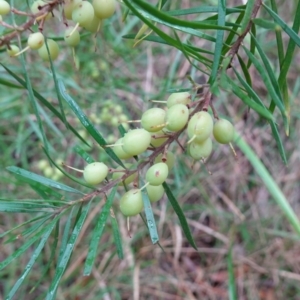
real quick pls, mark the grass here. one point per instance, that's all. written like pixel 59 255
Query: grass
pixel 226 204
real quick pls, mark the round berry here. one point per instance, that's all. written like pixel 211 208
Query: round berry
pixel 169 159
pixel 176 117
pixel 4 8
pixel 118 149
pixel 36 40
pixel 155 193
pixel 83 13
pixel 200 126
pixel 53 50
pixel 129 179
pixel 158 138
pixel 12 50
pixel 136 141
pixel 200 150
pixel 37 6
pixel 69 7
pixel 131 203
pixel 153 119
pixel 178 98
pixel 104 8
pixel 72 37
pixel 95 173
pixel 157 174
pixel 94 25
pixel 223 131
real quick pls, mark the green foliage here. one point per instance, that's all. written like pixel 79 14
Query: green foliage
pixel 229 54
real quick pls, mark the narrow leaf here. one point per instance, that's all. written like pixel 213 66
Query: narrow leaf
pixel 269 182
pixel 117 236
pixel 97 233
pixel 41 179
pixel 184 225
pixel 86 123
pixel 67 253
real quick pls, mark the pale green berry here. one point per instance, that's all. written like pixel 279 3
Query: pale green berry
pixel 131 203
pixel 153 119
pixel 200 150
pixel 200 126
pixel 12 50
pixel 36 40
pixel 53 50
pixel 223 131
pixel 83 13
pixel 95 173
pixel 155 193
pixel 43 164
pixel 176 117
pixel 72 37
pixel 94 25
pixel 4 8
pixel 158 138
pixel 118 149
pixel 157 174
pixel 178 98
pixel 169 159
pixel 136 141
pixel 69 7
pixel 37 6
pixel 129 179
pixel 104 8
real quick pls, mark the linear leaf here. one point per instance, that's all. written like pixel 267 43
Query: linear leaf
pixel 31 262
pixel 184 225
pixel 41 179
pixel 231 277
pixel 14 206
pixel 117 236
pixel 219 41
pixel 290 32
pixel 264 23
pixel 43 101
pixel 83 154
pixel 28 243
pixel 263 111
pixel 201 9
pixel 151 224
pixel 86 123
pixel 97 233
pixel 269 182
pixel 67 253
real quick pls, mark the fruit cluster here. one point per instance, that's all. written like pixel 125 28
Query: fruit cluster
pixel 160 127
pixel 83 14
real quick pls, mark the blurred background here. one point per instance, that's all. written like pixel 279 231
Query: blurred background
pixel 224 200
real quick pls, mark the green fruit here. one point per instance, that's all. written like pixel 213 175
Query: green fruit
pixel 178 98
pixel 36 40
pixel 223 131
pixel 200 126
pixel 136 141
pixel 152 119
pixel 83 13
pixel 73 39
pixel 131 203
pixel 155 193
pixel 69 7
pixel 94 25
pixel 43 164
pixel 200 150
pixel 53 50
pixel 128 180
pixel 4 8
pixel 118 149
pixel 37 6
pixel 104 8
pixel 48 172
pixel 157 174
pixel 159 138
pixel 95 173
pixel 176 117
pixel 169 159
pixel 13 50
